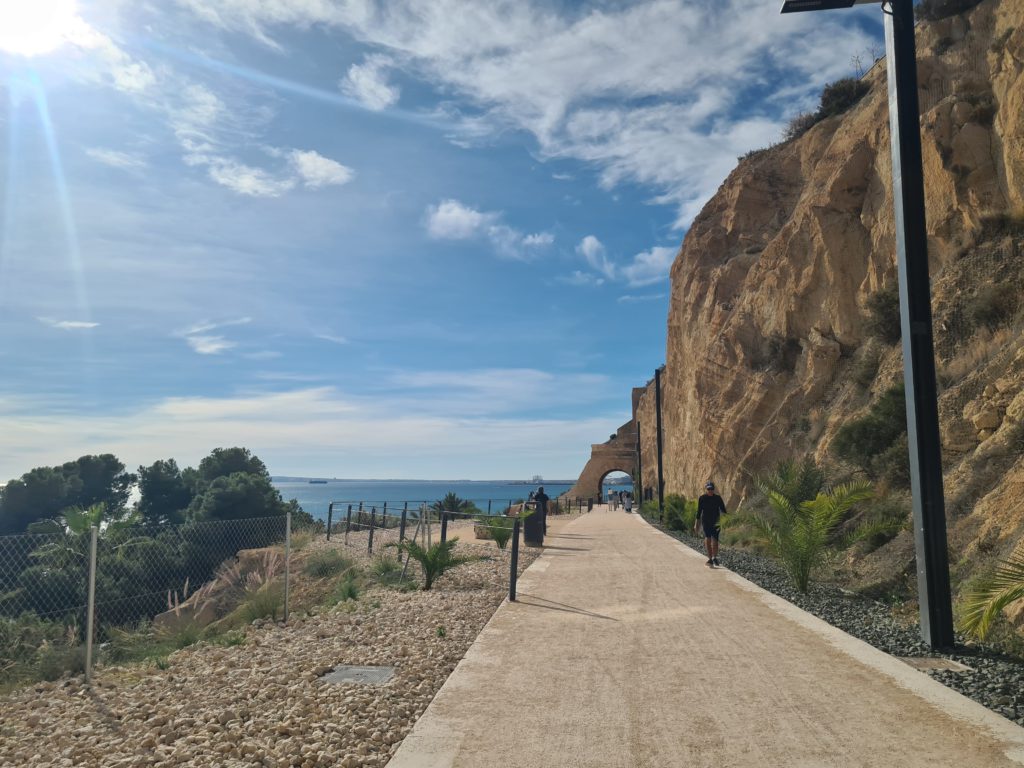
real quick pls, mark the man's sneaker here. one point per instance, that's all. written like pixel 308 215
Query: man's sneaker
pixel 714 561
pixel 710 562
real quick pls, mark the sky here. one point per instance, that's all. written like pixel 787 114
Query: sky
pixel 399 239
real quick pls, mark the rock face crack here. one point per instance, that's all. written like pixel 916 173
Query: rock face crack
pixel 344 673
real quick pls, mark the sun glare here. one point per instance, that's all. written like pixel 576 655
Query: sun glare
pixel 35 27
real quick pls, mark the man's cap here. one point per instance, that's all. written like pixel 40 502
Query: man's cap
pixel 710 486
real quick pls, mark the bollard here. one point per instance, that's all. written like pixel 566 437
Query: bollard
pixel 401 525
pixel 348 523
pixel 330 516
pixel 513 572
pixel 444 526
pixel 369 544
pixel 488 506
pixel 90 614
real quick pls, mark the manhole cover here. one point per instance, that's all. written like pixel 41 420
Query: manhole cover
pixel 925 663
pixel 343 673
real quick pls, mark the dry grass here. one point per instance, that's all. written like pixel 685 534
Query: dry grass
pixel 977 353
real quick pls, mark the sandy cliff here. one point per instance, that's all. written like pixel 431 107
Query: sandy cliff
pixel 769 350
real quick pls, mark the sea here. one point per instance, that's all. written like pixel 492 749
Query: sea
pixel 314 498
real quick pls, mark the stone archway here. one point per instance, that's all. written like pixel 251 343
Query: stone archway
pixel 618 454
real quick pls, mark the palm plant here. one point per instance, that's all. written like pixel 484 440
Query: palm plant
pixel 452 503
pixel 797 481
pixel 75 524
pixel 433 560
pixel 989 597
pixel 800 534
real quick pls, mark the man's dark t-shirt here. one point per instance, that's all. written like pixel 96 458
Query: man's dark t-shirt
pixel 542 502
pixel 709 509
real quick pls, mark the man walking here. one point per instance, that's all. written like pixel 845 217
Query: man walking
pixel 710 509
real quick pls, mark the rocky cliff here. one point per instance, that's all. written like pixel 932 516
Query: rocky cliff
pixel 771 346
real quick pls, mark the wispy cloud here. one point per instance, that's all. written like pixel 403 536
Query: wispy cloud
pixel 596 255
pixel 317 171
pixel 580 279
pixel 332 337
pixel 649 267
pixel 126 161
pixel 199 338
pixel 67 325
pixel 453 220
pixel 368 83
pixel 209 345
pixel 636 299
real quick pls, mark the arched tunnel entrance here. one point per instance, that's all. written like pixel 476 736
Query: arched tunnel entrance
pixel 618 454
pixel 614 480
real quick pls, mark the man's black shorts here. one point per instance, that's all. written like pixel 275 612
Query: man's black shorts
pixel 712 533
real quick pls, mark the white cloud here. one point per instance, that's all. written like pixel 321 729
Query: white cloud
pixel 631 299
pixel 650 266
pixel 318 171
pixel 333 338
pixel 67 325
pixel 596 255
pixel 452 220
pixel 368 83
pixel 246 180
pixel 321 430
pixel 655 92
pixel 209 345
pixel 124 160
pixel 581 279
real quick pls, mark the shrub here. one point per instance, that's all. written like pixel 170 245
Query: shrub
pixel 800 125
pixel 35 649
pixel 839 96
pixel 860 441
pixel 325 563
pixel 884 315
pixel 991 306
pixel 346 589
pixel 386 569
pixel 434 560
pixel 893 464
pixel 263 603
pixel 865 366
pixel 799 535
pixel 499 527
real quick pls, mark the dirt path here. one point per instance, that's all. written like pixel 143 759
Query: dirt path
pixel 625 650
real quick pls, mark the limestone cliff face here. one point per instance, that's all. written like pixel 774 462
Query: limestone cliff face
pixel 767 320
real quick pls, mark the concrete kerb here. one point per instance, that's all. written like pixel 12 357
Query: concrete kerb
pixel 947 700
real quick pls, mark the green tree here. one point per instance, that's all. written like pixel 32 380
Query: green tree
pixel 223 462
pixel 800 535
pixel 40 494
pixel 164 493
pixel 237 496
pixel 452 503
pixel 796 481
pixel 99 480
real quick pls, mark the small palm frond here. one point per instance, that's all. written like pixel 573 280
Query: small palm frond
pixel 987 600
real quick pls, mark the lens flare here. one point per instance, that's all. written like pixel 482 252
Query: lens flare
pixel 35 27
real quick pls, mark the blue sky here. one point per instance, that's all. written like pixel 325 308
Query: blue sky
pixel 365 239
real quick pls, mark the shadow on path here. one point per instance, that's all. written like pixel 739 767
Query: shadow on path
pixel 555 606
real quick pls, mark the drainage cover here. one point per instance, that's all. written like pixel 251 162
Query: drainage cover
pixel 925 663
pixel 343 673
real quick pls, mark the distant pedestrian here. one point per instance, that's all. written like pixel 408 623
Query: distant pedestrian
pixel 629 502
pixel 710 509
pixel 612 496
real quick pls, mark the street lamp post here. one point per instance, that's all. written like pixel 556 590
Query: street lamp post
pixel 936 608
pixel 657 407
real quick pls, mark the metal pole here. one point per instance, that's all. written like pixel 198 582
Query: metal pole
pixel 488 506
pixel 369 546
pixel 90 611
pixel 401 525
pixel 936 607
pixel 514 568
pixel 444 526
pixel 348 523
pixel 287 558
pixel 639 463
pixel 657 407
pixel 330 516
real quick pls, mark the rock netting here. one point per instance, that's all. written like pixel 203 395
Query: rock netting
pixel 262 703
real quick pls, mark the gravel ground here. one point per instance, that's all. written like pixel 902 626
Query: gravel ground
pixel 994 680
pixel 262 703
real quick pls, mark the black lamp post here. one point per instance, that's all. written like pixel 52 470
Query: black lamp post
pixel 936 606
pixel 657 407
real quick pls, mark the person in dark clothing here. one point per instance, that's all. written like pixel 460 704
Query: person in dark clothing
pixel 710 509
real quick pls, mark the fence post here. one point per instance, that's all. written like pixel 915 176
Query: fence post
pixel 444 526
pixel 330 516
pixel 513 575
pixel 90 614
pixel 348 523
pixel 287 558
pixel 373 513
pixel 488 506
pixel 401 525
